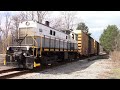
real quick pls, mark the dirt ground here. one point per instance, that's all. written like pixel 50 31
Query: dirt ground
pixel 83 69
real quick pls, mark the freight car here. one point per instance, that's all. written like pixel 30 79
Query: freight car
pixel 91 46
pixel 83 39
pixel 39 44
pixel 96 47
pixel 87 46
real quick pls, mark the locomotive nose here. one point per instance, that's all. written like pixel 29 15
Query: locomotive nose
pixel 19 56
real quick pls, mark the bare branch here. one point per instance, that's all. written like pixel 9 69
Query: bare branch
pixel 57 23
pixel 7 24
pixel 41 15
pixel 68 19
pixel 22 16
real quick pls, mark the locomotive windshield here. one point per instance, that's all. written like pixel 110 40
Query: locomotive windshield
pixel 24 31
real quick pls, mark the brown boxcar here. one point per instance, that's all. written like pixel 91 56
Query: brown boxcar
pixel 82 42
pixel 98 49
pixel 91 46
pixel 95 47
pixel 86 44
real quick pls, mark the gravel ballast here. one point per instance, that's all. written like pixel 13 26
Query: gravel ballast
pixel 82 69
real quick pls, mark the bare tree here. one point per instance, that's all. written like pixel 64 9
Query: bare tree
pixel 117 42
pixel 23 16
pixel 57 23
pixel 0 37
pixel 31 15
pixel 41 15
pixel 34 15
pixel 0 26
pixel 5 31
pixel 68 19
pixel 7 24
pixel 10 27
pixel 16 19
pixel 15 23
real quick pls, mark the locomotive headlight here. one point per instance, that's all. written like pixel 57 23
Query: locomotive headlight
pixel 7 48
pixel 24 54
pixel 28 47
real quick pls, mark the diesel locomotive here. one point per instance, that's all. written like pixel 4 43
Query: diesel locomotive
pixel 39 44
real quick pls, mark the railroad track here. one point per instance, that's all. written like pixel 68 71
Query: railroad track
pixel 9 73
pixel 59 64
pixel 14 72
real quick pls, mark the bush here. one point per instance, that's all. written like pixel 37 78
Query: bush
pixel 115 56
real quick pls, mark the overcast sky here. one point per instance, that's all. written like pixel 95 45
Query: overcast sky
pixel 96 21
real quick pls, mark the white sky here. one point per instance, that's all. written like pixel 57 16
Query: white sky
pixel 96 21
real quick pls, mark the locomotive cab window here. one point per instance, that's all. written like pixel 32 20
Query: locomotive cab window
pixel 73 36
pixel 66 37
pixel 76 37
pixel 30 51
pixel 54 33
pixel 50 32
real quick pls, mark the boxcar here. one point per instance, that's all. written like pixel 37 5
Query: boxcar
pixel 83 39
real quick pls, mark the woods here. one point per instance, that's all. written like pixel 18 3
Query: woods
pixel 110 41
pixel 109 38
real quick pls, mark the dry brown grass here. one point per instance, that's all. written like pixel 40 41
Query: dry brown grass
pixel 115 57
